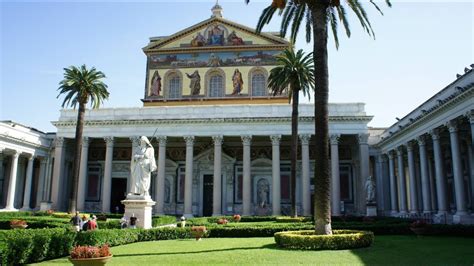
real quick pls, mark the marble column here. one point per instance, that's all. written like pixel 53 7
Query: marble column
pixel 57 172
pixel 412 178
pixel 247 185
pixel 364 170
pixel 12 182
pixel 276 185
pixel 107 184
pixel 81 191
pixel 470 116
pixel 28 181
pixel 402 181
pixel 306 182
pixel 425 182
pixel 188 179
pixel 335 177
pixel 457 169
pixel 379 182
pixel 161 175
pixel 42 182
pixel 217 182
pixel 393 184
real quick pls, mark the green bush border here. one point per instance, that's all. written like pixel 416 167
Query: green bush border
pixel 340 239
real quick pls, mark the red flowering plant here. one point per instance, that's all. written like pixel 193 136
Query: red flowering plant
pixel 87 252
pixel 222 221
pixel 16 222
pixel 198 231
pixel 237 217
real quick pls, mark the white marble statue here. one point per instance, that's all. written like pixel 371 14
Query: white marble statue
pixel 142 164
pixel 370 189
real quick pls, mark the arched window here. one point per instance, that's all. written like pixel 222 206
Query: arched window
pixel 216 86
pixel 174 87
pixel 259 85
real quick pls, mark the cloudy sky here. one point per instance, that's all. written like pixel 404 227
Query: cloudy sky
pixel 419 48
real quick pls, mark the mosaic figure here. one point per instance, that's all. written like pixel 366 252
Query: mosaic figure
pixel 237 81
pixel 195 84
pixel 155 84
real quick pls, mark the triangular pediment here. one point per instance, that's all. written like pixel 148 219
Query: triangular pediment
pixel 214 33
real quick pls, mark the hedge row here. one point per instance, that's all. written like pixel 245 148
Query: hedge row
pixel 28 246
pixel 340 239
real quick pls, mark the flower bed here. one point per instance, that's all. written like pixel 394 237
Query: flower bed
pixel 341 239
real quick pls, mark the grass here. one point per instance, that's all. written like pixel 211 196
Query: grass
pixel 393 250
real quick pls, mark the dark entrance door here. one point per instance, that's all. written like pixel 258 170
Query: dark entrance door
pixel 207 195
pixel 119 189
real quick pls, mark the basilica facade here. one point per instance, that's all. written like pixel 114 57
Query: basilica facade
pixel 222 141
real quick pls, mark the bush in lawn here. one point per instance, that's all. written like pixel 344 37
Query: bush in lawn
pixel 35 222
pixel 267 229
pixel 288 219
pixel 27 246
pixel 162 220
pixel 15 214
pixel 340 239
pixel 109 224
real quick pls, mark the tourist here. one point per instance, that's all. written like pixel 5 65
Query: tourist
pixel 76 222
pixel 92 223
pixel 84 223
pixel 133 221
pixel 123 222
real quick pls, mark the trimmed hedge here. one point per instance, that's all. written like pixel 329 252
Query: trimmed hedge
pixel 341 239
pixel 254 230
pixel 288 219
pixel 162 220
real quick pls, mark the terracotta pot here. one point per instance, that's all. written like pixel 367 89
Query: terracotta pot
pixel 91 261
pixel 19 226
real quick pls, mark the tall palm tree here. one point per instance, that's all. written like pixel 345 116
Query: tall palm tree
pixel 81 85
pixel 318 16
pixel 294 71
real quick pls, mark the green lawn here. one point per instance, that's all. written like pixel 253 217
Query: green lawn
pixel 395 250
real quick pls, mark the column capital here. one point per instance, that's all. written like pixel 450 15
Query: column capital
pixel 470 116
pixel 135 140
pixel 58 142
pixel 421 140
pixel 452 126
pixel 162 140
pixel 305 138
pixel 363 138
pixel 30 156
pixel 381 158
pixel 435 133
pixel 246 139
pixel 410 146
pixel 390 154
pixel 217 139
pixel 334 139
pixel 85 141
pixel 109 141
pixel 400 150
pixel 275 139
pixel 189 140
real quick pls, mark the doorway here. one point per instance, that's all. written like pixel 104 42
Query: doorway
pixel 118 193
pixel 207 194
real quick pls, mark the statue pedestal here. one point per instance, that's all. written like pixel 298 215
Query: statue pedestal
pixel 141 207
pixel 371 210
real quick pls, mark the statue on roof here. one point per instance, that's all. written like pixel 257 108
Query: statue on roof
pixel 195 84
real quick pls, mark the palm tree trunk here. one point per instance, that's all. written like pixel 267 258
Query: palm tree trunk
pixel 77 158
pixel 294 149
pixel 322 179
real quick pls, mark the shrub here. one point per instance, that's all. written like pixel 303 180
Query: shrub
pixel 341 239
pixel 288 219
pixel 267 229
pixel 162 220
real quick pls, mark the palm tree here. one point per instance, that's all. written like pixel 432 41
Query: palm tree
pixel 318 15
pixel 81 85
pixel 294 71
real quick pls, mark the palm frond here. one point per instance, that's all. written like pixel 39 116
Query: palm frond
pixel 333 22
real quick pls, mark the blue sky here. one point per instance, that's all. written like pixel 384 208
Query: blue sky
pixel 419 48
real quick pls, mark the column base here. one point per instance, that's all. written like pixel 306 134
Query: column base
pixel 414 212
pixel 463 218
pixel 393 213
pixel 188 215
pixel 371 211
pixel 8 210
pixel 403 213
pixel 45 205
pixel 440 218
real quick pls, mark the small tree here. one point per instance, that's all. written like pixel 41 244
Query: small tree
pixel 294 71
pixel 81 85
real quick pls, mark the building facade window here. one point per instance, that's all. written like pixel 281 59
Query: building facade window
pixel 259 85
pixel 174 87
pixel 216 86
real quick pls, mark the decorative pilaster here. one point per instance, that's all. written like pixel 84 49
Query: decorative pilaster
pixel 393 184
pixel 276 182
pixel 160 182
pixel 29 178
pixel 247 188
pixel 364 170
pixel 306 183
pixel 412 178
pixel 12 183
pixel 107 185
pixel 425 182
pixel 188 179
pixel 57 169
pixel 81 192
pixel 457 169
pixel 335 177
pixel 217 186
pixel 402 181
